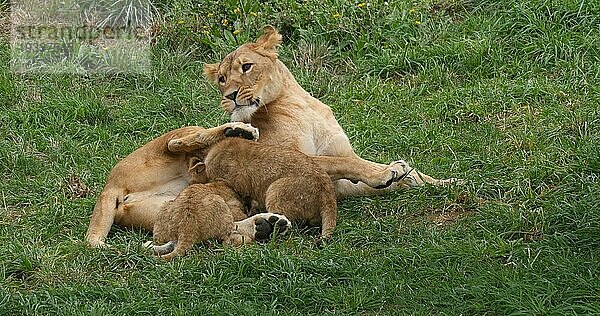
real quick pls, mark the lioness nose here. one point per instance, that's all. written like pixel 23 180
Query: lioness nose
pixel 232 96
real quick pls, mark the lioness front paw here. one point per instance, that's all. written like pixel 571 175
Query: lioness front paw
pixel 245 96
pixel 239 129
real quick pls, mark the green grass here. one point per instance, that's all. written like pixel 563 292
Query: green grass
pixel 504 94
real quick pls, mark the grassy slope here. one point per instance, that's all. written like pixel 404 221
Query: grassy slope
pixel 503 94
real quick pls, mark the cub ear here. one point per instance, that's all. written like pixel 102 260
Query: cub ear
pixel 211 71
pixel 270 38
pixel 194 163
pixel 196 166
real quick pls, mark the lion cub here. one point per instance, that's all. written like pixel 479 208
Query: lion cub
pixel 206 211
pixel 282 180
pixel 200 212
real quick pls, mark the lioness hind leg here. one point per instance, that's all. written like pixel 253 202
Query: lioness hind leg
pixel 357 169
pixel 407 179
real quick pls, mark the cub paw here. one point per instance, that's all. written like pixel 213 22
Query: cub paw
pixel 268 224
pixel 243 130
pixel 97 243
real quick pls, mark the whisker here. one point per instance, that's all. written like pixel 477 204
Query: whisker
pixel 261 104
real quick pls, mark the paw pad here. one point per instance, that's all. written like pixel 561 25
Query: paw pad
pixel 265 228
pixel 239 132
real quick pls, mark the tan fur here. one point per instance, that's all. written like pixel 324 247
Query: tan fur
pixel 200 212
pixel 140 184
pixel 267 96
pixel 284 181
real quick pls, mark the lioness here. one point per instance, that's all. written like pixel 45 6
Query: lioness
pixel 258 88
pixel 140 184
pixel 202 212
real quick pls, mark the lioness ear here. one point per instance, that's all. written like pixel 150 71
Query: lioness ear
pixel 270 38
pixel 211 71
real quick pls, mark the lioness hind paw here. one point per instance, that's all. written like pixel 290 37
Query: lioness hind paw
pixel 402 169
pixel 395 172
pixel 273 224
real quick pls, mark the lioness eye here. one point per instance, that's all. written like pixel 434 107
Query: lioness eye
pixel 246 67
pixel 221 79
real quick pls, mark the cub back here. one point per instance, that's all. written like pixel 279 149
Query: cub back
pixel 250 168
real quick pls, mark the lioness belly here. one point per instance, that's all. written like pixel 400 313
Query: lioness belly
pixel 141 208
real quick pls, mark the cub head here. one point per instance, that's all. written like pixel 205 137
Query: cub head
pixel 249 77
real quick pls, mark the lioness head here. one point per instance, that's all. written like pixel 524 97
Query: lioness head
pixel 248 77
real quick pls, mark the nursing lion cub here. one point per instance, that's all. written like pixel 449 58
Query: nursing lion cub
pixel 258 88
pixel 202 212
pixel 281 180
